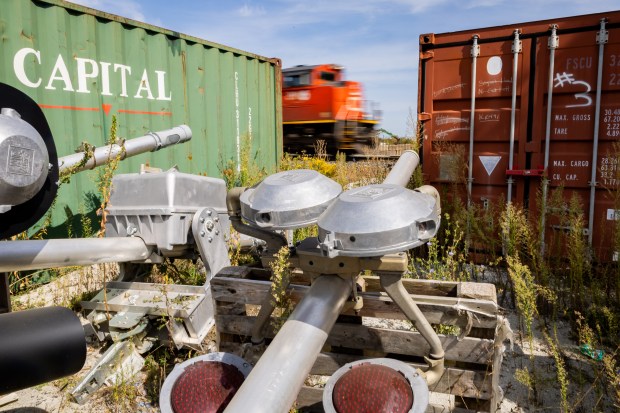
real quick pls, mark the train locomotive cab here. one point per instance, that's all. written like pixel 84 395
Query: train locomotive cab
pixel 318 104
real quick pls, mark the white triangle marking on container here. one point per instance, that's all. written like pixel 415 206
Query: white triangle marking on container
pixel 489 163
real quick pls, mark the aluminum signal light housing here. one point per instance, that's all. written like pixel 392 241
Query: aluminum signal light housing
pixel 289 199
pixel 376 385
pixel 376 220
pixel 206 383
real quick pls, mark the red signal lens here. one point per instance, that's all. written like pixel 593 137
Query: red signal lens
pixel 372 388
pixel 205 387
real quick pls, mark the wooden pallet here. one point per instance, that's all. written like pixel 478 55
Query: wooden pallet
pixel 473 358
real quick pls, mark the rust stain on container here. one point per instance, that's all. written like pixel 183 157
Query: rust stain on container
pixel 584 118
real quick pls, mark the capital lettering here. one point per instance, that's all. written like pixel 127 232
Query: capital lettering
pixel 161 86
pixel 105 78
pixel 19 69
pixel 61 73
pixel 84 75
pixel 144 86
pixel 124 70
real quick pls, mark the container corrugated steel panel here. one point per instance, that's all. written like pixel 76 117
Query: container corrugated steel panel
pixel 445 103
pixel 83 66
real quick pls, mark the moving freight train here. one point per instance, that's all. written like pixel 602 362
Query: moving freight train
pixel 318 104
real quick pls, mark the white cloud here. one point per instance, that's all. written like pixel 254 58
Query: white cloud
pixel 482 3
pixel 248 10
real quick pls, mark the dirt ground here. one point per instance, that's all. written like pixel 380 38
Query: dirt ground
pixel 583 373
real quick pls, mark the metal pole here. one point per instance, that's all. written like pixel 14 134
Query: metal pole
pixel 601 39
pixel 275 381
pixel 393 286
pixel 516 49
pixel 37 254
pixel 403 169
pixel 151 142
pixel 554 42
pixel 475 52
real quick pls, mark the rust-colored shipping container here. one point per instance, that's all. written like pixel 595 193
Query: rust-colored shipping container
pixel 506 109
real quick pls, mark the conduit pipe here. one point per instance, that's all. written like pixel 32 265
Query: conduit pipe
pixel 39 254
pixel 393 286
pixel 151 142
pixel 403 169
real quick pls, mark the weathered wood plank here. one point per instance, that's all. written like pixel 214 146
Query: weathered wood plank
pixel 502 333
pixel 438 310
pixel 465 383
pixel 414 286
pixel 469 350
pixel 462 289
pixel 481 291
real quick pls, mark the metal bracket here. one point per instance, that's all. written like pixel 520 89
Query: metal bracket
pixel 517 45
pixel 119 362
pixel 330 246
pixel 210 242
pixel 475 48
pixel 602 36
pixel 310 259
pixel 485 203
pixel 554 39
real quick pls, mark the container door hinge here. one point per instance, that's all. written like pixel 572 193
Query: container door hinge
pixel 424 116
pixel 426 55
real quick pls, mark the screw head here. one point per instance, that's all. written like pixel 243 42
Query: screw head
pixel 202 233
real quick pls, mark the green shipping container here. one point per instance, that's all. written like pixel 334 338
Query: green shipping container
pixel 84 66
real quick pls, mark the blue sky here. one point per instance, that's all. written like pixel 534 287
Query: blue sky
pixel 376 40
